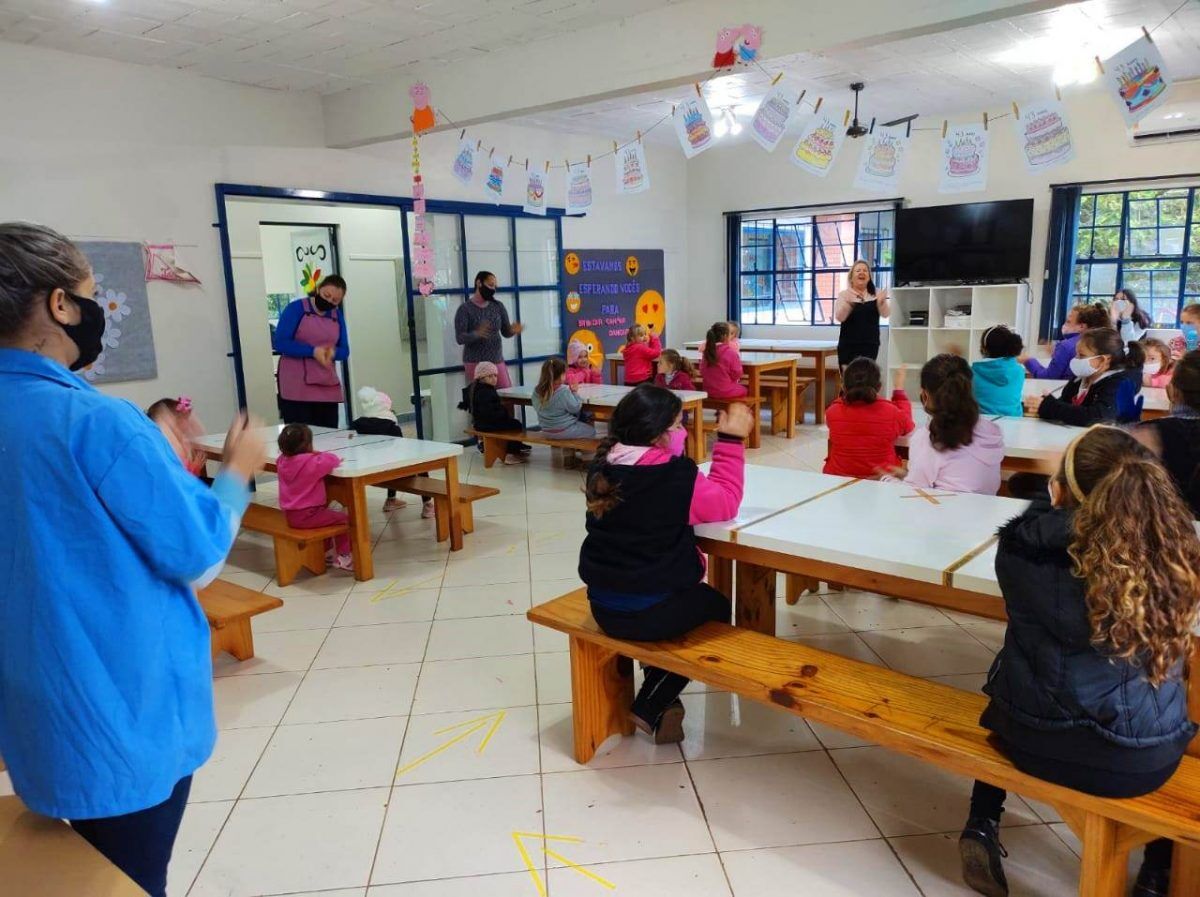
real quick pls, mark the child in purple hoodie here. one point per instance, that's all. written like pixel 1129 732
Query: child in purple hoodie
pixel 643 569
pixel 302 495
pixel 959 450
pixel 1079 319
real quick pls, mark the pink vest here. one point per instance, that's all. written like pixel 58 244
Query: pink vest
pixel 306 379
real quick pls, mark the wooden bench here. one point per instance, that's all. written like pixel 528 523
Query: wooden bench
pixel 754 403
pixel 428 487
pixel 927 720
pixel 229 608
pixel 294 548
pixel 774 391
pixel 495 445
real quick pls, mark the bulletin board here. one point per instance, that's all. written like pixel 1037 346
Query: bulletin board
pixel 607 291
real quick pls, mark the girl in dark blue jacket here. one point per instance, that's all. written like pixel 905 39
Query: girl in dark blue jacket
pixel 1101 586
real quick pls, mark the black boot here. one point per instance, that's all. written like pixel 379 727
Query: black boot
pixel 980 849
pixel 667 729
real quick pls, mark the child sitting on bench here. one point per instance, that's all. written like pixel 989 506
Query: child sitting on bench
pixel 302 495
pixel 376 418
pixel 481 400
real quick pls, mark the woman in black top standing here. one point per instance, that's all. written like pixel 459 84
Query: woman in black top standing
pixel 858 309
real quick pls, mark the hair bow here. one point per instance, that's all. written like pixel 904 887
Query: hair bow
pixel 183 405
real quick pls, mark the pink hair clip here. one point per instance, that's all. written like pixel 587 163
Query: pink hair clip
pixel 183 405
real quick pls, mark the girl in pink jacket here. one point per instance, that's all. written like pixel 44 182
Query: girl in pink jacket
pixel 643 569
pixel 579 365
pixel 302 495
pixel 641 350
pixel 721 365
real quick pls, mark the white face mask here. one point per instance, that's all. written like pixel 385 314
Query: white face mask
pixel 1151 368
pixel 1082 367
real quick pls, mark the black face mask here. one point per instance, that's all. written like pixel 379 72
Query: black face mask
pixel 88 333
pixel 323 305
pixel 487 293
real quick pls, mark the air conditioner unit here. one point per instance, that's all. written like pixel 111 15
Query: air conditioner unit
pixel 1176 121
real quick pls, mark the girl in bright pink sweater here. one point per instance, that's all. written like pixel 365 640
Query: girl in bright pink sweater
pixel 721 365
pixel 641 350
pixel 302 495
pixel 579 365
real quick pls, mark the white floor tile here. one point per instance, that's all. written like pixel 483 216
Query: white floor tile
pixel 274 652
pixel 629 813
pixel 865 611
pixel 554 678
pixel 930 651
pixel 340 892
pixel 249 579
pixel 243 701
pixel 448 747
pixel 479 637
pixel 496 600
pixel 512 884
pixel 908 797
pixel 710 734
pixel 330 584
pixel 277 845
pixel 457 828
pixel 855 869
pixel 846 644
pixel 549 641
pixel 546 589
pixel 558 750
pixel 199 829
pixel 481 683
pixel 484 571
pixel 354 693
pixel 559 565
pixel 809 616
pixel 401 577
pixel 386 643
pixel 693 876
pixel 972 682
pixel 232 761
pixel 338 756
pixel 317 612
pixel 772 801
pixel 395 606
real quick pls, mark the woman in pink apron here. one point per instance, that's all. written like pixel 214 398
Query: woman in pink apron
pixel 310 338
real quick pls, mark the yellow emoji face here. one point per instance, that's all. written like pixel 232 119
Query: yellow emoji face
pixel 574 302
pixel 571 263
pixel 651 310
pixel 631 266
pixel 595 352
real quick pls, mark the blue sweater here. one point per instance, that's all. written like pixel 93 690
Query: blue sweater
pixel 998 385
pixel 105 671
pixel 285 333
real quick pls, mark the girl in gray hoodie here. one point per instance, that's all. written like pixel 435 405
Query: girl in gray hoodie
pixel 558 406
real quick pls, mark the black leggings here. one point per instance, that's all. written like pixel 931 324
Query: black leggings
pixel 850 351
pixel 675 615
pixel 315 414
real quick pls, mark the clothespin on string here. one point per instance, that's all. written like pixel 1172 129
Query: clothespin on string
pixel 817 108
pixel 589 160
pixel 1058 93
pixel 1016 111
pixel 547 171
pixel 945 128
pixel 462 134
pixel 985 119
pixel 846 118
pixel 871 130
pixel 479 144
pixel 1147 33
pixel 775 80
pixel 1099 65
pixel 698 93
pixel 800 98
pixel 639 133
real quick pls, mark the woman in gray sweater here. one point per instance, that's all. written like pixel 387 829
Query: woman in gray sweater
pixel 479 324
pixel 557 404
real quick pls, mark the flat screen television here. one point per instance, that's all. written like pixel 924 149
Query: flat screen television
pixel 978 242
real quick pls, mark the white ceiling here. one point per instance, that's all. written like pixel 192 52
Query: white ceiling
pixel 964 70
pixel 320 45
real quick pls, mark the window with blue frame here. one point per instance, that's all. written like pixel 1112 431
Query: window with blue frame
pixel 792 266
pixel 1145 240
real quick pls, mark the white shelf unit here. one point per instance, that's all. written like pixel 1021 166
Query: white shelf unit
pixel 910 346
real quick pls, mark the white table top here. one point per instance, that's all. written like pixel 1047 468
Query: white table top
pixel 1155 397
pixel 777 345
pixel 597 395
pixel 769 490
pixel 886 528
pixel 1024 437
pixel 361 455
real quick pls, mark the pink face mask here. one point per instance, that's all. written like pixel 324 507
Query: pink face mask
pixel 677 440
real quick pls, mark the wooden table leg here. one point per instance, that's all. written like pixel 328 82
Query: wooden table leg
pixel 1185 872
pixel 456 527
pixel 756 392
pixel 614 371
pixel 792 399
pixel 819 401
pixel 353 495
pixel 720 574
pixel 755 607
pixel 699 448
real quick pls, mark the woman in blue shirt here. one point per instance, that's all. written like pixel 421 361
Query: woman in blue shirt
pixel 310 338
pixel 106 703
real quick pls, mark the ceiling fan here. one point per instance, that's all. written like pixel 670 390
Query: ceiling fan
pixel 856 128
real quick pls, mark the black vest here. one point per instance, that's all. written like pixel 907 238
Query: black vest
pixel 644 545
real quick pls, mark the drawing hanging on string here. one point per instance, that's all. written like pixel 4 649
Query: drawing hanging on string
pixel 964 159
pixel 693 125
pixel 1043 134
pixel 423 118
pixel 630 167
pixel 535 193
pixel 464 161
pixel 772 116
pixel 493 182
pixel 725 56
pixel 1138 79
pixel 579 188
pixel 161 264
pixel 884 152
pixel 819 144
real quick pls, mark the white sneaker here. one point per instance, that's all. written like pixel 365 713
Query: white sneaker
pixel 427 511
pixel 394 504
pixel 511 459
pixel 344 562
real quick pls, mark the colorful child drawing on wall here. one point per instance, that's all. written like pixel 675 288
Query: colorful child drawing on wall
pixel 311 277
pixel 651 310
pixel 749 44
pixel 725 56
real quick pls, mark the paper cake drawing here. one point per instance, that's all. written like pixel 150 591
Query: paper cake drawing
pixel 464 162
pixel 819 144
pixel 883 156
pixel 693 126
pixel 1138 78
pixel 535 194
pixel 772 116
pixel 493 182
pixel 630 168
pixel 964 159
pixel 579 188
pixel 1044 135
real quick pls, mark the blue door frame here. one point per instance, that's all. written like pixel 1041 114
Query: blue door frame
pixel 405 205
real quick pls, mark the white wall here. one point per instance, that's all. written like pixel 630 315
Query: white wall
pixel 742 176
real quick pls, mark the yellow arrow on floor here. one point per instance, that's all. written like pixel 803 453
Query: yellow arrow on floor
pixel 491 722
pixel 523 850
pixel 390 590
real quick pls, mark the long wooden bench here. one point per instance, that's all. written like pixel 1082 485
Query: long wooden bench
pixel 495 445
pixel 754 403
pixel 774 392
pixel 229 608
pixel 927 720
pixel 428 487
pixel 295 549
